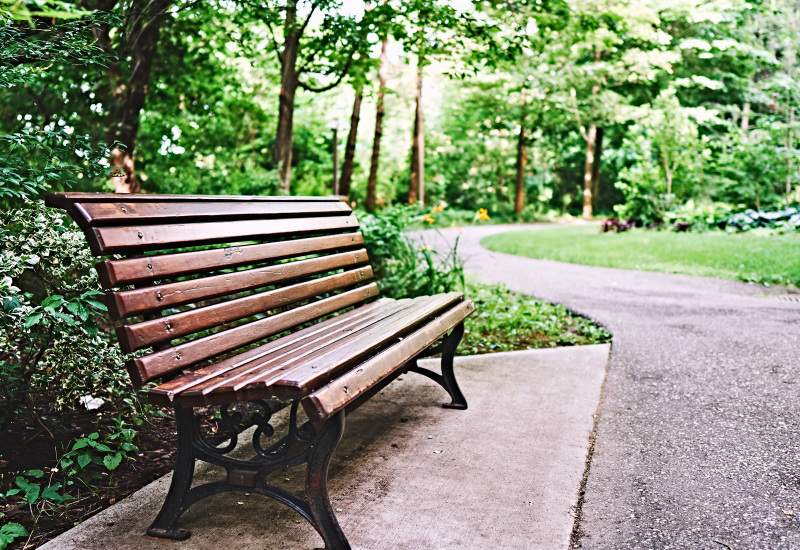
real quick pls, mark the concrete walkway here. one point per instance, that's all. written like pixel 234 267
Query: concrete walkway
pixel 698 442
pixel 504 474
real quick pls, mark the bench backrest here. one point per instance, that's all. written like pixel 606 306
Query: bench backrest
pixel 197 277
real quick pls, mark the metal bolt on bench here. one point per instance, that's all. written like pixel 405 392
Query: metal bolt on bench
pixel 264 300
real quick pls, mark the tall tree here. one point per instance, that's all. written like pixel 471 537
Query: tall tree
pixel 376 142
pixel 416 186
pixel 142 25
pixel 522 158
pixel 314 58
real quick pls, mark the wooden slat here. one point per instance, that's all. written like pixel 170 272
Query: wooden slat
pixel 220 388
pixel 64 200
pixel 133 270
pixel 111 240
pixel 319 368
pixel 168 391
pixel 146 368
pixel 170 327
pixel 153 298
pixel 336 395
pixel 126 212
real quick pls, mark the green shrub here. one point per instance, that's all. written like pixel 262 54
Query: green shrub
pixel 405 267
pixel 49 335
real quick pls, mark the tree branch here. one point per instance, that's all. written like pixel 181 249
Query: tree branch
pixel 336 82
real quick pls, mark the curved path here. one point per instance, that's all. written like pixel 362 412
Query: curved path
pixel 698 438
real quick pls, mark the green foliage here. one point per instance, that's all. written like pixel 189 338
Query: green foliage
pixel 28 488
pixel 406 267
pixel 89 455
pixel 508 321
pixel 49 335
pixel 698 216
pixel 11 532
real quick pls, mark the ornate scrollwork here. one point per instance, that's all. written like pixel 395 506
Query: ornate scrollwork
pixel 297 435
pixel 234 419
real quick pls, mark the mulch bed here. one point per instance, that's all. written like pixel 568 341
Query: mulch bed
pixel 39 442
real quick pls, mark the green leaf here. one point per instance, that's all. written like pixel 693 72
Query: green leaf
pixel 35 473
pixel 112 461
pixel 80 444
pixel 84 459
pixel 53 301
pixel 9 532
pixel 32 320
pixel 102 448
pixel 66 318
pixel 96 304
pixel 52 494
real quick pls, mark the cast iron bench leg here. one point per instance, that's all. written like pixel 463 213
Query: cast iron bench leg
pixel 317 484
pixel 447 379
pixel 164 524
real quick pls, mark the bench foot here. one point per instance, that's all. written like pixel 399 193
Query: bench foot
pixel 164 524
pixel 172 534
pixel 317 484
pixel 448 378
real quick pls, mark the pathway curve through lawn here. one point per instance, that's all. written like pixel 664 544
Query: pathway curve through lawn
pixel 698 439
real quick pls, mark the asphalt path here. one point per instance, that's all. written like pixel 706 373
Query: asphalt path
pixel 698 434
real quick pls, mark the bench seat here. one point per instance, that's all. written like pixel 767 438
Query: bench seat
pixel 386 332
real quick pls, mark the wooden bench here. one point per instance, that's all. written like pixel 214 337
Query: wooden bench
pixel 264 300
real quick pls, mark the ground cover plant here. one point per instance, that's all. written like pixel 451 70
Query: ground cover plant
pixel 509 321
pixel 754 256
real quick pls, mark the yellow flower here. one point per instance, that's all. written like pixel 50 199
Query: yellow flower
pixel 426 247
pixel 438 208
pixel 454 226
pixel 483 214
pixel 428 219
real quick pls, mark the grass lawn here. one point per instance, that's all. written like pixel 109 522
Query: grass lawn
pixel 755 256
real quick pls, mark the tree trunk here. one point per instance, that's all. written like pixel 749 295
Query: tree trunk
pixel 376 143
pixel 416 187
pixel 789 155
pixel 598 151
pixel 745 119
pixel 587 172
pixel 350 149
pixel 282 149
pixel 522 159
pixel 129 97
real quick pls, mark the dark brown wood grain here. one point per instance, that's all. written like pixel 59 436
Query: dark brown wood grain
pixel 238 241
pixel 127 212
pixel 169 327
pixel 273 364
pixel 63 200
pixel 342 391
pixel 112 240
pixel 318 371
pixel 167 392
pixel 134 270
pixel 157 364
pixel 158 297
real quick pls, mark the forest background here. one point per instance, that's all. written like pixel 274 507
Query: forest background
pixel 528 109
